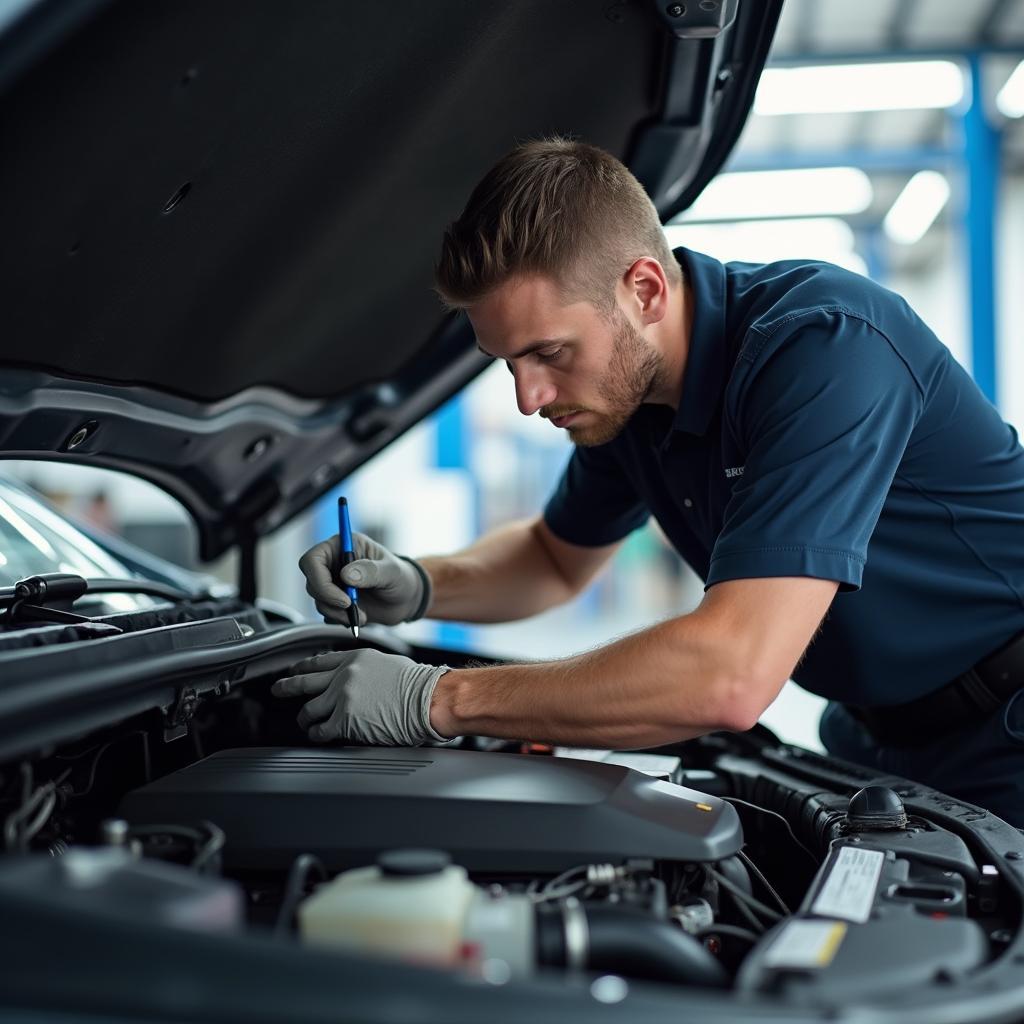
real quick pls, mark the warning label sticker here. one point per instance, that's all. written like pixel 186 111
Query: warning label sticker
pixel 806 944
pixel 849 889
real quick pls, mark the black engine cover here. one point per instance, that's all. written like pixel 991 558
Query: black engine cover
pixel 505 813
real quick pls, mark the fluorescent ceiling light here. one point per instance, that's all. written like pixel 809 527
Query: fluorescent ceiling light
pixel 916 207
pixel 809 192
pixel 765 241
pixel 840 88
pixel 1010 100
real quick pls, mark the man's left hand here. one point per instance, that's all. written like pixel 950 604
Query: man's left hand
pixel 364 697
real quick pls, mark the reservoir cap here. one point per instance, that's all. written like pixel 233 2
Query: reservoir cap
pixel 876 807
pixel 412 861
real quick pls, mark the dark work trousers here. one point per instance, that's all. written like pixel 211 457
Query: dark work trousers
pixel 981 763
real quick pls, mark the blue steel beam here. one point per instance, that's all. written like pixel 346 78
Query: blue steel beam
pixel 982 165
pixel 451 451
pixel 325 517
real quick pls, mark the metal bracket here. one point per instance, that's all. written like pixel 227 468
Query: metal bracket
pixel 178 717
pixel 697 19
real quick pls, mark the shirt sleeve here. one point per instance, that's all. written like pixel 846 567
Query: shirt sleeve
pixel 594 502
pixel 825 419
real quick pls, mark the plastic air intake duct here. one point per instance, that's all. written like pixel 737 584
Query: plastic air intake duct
pixel 625 941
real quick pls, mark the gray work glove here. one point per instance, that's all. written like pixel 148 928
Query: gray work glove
pixel 364 697
pixel 392 588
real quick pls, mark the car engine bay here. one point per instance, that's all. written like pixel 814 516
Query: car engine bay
pixel 729 863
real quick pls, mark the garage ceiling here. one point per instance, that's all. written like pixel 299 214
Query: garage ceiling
pixel 820 31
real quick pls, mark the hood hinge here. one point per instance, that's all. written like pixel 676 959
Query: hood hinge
pixel 178 716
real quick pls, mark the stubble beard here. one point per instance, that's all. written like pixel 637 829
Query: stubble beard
pixel 634 371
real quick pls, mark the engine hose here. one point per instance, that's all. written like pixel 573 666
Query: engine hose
pixel 736 871
pixel 626 941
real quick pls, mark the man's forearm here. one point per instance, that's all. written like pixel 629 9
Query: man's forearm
pixel 665 684
pixel 505 575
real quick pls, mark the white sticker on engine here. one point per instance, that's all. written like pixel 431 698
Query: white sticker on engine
pixel 804 944
pixel 849 889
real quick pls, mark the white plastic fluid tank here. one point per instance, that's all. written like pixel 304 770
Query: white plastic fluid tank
pixel 412 905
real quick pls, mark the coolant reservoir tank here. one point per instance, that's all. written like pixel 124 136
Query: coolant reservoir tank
pixel 412 905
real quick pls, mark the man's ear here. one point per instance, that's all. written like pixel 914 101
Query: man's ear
pixel 647 289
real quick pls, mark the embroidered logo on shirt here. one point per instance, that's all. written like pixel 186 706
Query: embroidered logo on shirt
pixel 732 471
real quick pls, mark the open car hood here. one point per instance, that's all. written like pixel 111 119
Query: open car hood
pixel 220 221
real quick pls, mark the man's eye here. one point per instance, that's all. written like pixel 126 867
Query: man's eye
pixel 549 357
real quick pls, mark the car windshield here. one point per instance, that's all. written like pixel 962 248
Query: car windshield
pixel 34 539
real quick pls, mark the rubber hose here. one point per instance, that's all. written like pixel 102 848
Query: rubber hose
pixel 736 871
pixel 626 941
pixel 629 942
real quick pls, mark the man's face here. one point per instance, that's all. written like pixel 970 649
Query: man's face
pixel 584 372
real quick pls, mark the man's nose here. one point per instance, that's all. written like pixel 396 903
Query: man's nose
pixel 533 391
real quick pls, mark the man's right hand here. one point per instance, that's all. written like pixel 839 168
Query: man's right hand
pixel 392 588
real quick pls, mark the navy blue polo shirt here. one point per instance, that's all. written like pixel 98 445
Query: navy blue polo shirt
pixel 825 431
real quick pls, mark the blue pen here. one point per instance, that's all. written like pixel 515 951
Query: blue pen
pixel 348 555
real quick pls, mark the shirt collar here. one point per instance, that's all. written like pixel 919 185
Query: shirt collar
pixel 705 367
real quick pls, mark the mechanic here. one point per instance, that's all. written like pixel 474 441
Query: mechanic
pixel 853 503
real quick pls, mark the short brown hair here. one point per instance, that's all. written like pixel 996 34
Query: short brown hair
pixel 556 207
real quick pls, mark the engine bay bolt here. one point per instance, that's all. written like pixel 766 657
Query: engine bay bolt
pixel 675 10
pixel 609 988
pixel 79 436
pixel 257 449
pixel 114 832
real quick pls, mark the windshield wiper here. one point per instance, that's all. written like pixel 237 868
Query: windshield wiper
pixel 29 599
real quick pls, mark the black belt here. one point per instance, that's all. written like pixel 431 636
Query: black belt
pixel 968 699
